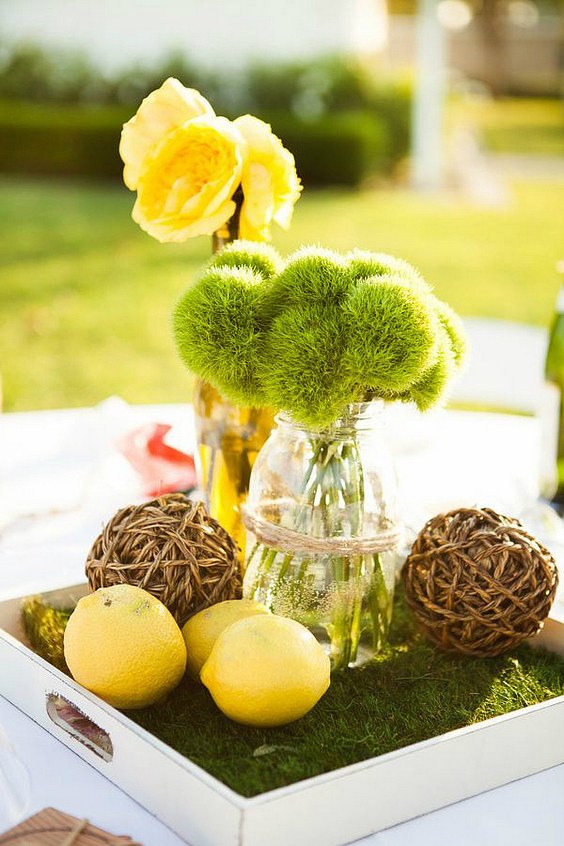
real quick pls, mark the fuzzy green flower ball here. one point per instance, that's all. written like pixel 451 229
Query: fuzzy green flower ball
pixel 363 264
pixel 318 332
pixel 260 257
pixel 431 386
pixel 218 331
pixel 312 275
pixel 391 334
pixel 452 324
pixel 302 369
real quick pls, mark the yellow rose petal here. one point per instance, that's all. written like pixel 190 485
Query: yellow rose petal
pixel 254 223
pixel 187 182
pixel 257 134
pixel 179 229
pixel 266 199
pixel 162 111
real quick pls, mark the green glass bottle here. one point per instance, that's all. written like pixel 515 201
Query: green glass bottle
pixel 554 374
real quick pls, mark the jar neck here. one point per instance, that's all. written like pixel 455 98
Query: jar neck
pixel 357 417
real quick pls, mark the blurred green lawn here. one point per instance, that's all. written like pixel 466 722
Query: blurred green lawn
pixel 86 296
pixel 515 124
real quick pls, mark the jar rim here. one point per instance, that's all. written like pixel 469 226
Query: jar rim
pixel 358 417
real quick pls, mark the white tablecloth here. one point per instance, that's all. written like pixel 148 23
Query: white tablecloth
pixel 62 477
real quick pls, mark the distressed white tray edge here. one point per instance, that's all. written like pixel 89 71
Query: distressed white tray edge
pixel 178 792
pixel 330 809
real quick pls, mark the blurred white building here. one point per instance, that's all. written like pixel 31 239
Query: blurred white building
pixel 116 33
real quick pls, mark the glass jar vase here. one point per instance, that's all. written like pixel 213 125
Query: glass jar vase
pixel 323 529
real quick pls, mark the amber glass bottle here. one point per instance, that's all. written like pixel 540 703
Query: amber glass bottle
pixel 229 437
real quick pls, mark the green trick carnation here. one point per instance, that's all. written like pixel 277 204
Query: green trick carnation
pixel 260 257
pixel 363 264
pixel 392 334
pixel 303 366
pixel 312 275
pixel 431 386
pixel 217 328
pixel 315 333
pixel 452 324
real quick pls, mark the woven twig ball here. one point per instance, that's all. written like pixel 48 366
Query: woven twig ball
pixel 477 582
pixel 172 548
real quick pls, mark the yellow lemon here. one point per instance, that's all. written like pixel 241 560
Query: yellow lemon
pixel 202 630
pixel 122 644
pixel 266 671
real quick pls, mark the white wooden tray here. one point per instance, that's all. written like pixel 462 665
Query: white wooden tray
pixel 329 810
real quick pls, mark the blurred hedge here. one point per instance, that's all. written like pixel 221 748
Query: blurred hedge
pixel 333 85
pixel 60 140
pixel 60 115
pixel 340 149
pixel 83 141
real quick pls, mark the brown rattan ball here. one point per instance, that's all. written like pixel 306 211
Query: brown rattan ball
pixel 172 548
pixel 477 582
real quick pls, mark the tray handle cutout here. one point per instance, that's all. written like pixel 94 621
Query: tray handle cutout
pixel 75 722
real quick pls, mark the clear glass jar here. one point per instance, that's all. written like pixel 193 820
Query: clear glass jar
pixel 323 528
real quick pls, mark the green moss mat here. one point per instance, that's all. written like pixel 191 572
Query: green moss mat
pixel 411 693
pixel 44 627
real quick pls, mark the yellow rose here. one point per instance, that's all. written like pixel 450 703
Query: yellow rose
pixel 270 183
pixel 163 110
pixel 186 164
pixel 186 181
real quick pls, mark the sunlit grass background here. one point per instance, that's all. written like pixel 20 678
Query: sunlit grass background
pixel 516 125
pixel 86 296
